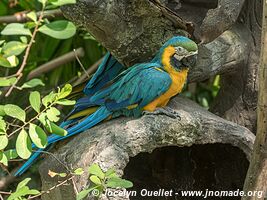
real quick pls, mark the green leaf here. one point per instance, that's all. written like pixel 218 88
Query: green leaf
pixel 23 183
pixel 65 91
pixel 111 173
pixel 13 48
pixel 51 97
pixel 3 141
pixel 4 82
pixel 65 102
pixel 53 114
pixel 96 170
pixel 32 83
pixel 16 29
pixel 23 39
pixel 33 192
pixel 42 118
pixel 11 154
pixel 62 175
pixel 32 15
pixel 78 171
pixel 55 129
pixel 38 136
pixel 2 42
pixel 30 25
pixel 23 145
pixel 43 2
pixel 81 195
pixel 63 2
pixel 35 101
pixel 2 111
pixel 60 29
pixel 13 61
pixel 3 159
pixel 4 62
pixel 2 123
pixel 15 112
pixel 116 182
pixel 95 180
pixel 22 192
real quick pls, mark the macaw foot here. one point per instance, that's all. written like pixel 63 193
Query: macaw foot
pixel 164 111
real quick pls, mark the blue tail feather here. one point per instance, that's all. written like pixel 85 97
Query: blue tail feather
pixel 27 164
pixel 101 114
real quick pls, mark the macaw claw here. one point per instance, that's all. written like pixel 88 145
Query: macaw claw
pixel 164 111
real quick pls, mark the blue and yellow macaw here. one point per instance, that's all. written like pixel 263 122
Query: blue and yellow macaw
pixel 145 87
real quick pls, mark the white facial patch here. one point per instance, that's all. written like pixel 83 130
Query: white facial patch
pixel 181 53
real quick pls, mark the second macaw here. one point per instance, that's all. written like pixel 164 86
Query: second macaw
pixel 145 87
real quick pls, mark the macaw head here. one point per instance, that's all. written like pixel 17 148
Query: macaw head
pixel 178 53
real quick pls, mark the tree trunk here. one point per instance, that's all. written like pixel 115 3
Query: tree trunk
pixel 257 174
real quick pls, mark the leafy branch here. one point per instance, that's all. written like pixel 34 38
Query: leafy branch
pixel 19 73
pixel 60 29
pixel 22 17
pixel 99 182
pixel 35 134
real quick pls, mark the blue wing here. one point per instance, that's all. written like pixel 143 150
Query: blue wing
pixel 141 84
pixel 106 71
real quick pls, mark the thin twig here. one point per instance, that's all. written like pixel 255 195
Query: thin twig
pixel 59 161
pixel 5 193
pixel 75 187
pixel 19 73
pixel 79 61
pixel 89 71
pixel 52 188
pixel 22 16
pixel 31 120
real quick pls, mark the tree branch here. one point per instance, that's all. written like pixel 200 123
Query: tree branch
pixel 140 29
pixel 257 174
pixel 142 38
pixel 53 64
pixel 112 143
pixel 220 19
pixel 223 55
pixel 22 17
pixel 19 73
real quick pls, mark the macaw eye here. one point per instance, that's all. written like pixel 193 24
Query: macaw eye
pixel 180 50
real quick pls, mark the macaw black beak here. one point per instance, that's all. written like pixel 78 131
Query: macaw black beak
pixel 190 60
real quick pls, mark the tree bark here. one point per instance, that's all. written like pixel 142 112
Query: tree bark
pixel 257 174
pixel 237 98
pixel 113 143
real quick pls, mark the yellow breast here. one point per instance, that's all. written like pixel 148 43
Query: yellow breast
pixel 178 81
